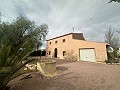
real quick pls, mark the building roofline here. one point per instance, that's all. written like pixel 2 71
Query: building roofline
pixel 62 36
pixel 94 41
pixel 76 39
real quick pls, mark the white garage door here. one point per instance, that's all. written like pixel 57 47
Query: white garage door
pixel 87 55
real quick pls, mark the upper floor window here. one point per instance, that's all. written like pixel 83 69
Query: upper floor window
pixel 55 42
pixel 63 40
pixel 50 42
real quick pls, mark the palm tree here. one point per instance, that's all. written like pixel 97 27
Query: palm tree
pixel 16 43
pixel 10 64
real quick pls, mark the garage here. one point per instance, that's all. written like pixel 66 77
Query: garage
pixel 87 55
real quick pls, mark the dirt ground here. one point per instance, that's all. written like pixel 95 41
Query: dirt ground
pixel 74 76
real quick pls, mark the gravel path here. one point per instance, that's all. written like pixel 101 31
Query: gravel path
pixel 74 76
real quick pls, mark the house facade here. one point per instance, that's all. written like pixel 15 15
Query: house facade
pixel 73 46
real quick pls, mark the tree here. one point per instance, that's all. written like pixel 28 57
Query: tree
pixel 114 1
pixel 112 39
pixel 16 43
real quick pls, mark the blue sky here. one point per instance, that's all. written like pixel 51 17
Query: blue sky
pixel 90 17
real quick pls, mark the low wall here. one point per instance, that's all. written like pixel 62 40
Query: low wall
pixel 47 67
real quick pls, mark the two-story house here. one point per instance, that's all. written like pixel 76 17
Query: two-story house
pixel 74 46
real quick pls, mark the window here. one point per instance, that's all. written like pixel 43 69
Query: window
pixel 55 42
pixel 49 52
pixel 50 42
pixel 63 40
pixel 64 53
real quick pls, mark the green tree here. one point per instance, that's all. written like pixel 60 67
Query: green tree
pixel 18 40
pixel 114 1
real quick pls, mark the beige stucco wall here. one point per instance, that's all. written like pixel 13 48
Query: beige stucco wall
pixel 61 46
pixel 73 46
pixel 100 48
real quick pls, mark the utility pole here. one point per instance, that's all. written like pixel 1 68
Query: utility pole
pixel 40 45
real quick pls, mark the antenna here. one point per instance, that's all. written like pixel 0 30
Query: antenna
pixel 73 29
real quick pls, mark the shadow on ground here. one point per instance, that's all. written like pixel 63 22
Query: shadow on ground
pixel 62 68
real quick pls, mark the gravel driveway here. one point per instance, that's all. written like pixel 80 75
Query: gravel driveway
pixel 74 76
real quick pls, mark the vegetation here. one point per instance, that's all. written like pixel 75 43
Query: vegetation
pixel 18 40
pixel 113 40
pixel 114 1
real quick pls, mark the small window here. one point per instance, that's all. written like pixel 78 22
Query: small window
pixel 64 53
pixel 50 42
pixel 55 42
pixel 49 52
pixel 63 40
